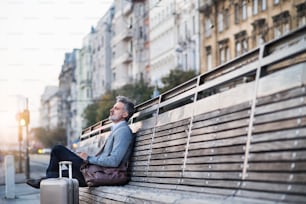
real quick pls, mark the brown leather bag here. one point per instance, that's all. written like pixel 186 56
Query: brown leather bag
pixel 95 175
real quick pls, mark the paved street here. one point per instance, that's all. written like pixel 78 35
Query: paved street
pixel 24 193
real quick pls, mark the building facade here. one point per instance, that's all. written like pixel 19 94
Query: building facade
pixel 101 55
pixel 122 44
pixel 231 28
pixel 49 108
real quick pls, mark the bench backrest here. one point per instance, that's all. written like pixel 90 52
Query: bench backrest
pixel 239 130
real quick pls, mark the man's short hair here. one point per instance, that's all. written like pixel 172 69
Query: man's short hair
pixel 128 105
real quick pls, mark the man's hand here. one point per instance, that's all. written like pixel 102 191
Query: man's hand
pixel 83 155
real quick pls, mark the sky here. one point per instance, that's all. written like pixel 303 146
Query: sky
pixel 34 37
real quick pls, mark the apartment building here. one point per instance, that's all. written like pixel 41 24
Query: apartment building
pixel 101 54
pixel 174 37
pixel 122 44
pixel 231 28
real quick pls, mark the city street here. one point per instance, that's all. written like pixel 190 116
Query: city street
pixel 24 193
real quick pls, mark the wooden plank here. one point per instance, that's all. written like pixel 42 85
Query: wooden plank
pixel 166 168
pixel 289 177
pixel 170 143
pixel 296 133
pixel 221 112
pixel 168 155
pixel 169 137
pixel 198 135
pixel 211 183
pixel 283 95
pixel 281 105
pixel 280 115
pixel 279 145
pixel 225 126
pixel 214 159
pixel 168 149
pixel 299 155
pixel 238 149
pixel 224 118
pixel 172 125
pixel 165 162
pixel 171 131
pixel 279 125
pixel 218 143
pixel 206 190
pixel 164 174
pixel 215 167
pixel 278 166
pixel 212 175
pixel 274 187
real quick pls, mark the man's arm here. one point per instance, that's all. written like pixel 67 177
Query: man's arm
pixel 121 142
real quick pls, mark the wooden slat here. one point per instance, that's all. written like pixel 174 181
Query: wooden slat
pixel 211 183
pixel 279 145
pixel 289 177
pixel 218 143
pixel 279 125
pixel 278 166
pixel 199 135
pixel 281 105
pixel 212 175
pixel 274 187
pixel 214 159
pixel 296 133
pixel 285 156
pixel 215 167
pixel 279 96
pixel 237 149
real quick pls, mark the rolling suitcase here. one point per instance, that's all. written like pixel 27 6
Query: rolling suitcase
pixel 60 190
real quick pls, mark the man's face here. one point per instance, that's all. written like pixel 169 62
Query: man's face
pixel 117 112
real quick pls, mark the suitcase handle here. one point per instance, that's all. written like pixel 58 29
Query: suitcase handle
pixel 61 164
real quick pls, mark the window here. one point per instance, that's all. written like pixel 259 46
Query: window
pixel 226 19
pixel 208 26
pixel 244 10
pixel 224 54
pixel 208 58
pixel 263 5
pixel 259 32
pixel 237 18
pixel 193 24
pixel 276 2
pixel 241 43
pixel 220 22
pixel 281 23
pixel 255 7
pixel 301 14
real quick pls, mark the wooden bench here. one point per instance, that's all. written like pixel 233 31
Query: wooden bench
pixel 233 135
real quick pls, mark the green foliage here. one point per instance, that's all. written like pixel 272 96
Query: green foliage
pixel 175 78
pixel 51 137
pixel 91 114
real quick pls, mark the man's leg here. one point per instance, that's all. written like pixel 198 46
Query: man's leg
pixel 61 153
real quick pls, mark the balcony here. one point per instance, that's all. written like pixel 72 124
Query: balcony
pixel 204 5
pixel 125 58
pixel 126 34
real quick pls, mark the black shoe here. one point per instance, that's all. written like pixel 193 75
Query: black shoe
pixel 35 183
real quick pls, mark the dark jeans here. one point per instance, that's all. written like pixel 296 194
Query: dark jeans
pixel 61 153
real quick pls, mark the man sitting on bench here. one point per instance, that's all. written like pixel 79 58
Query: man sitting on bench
pixel 117 149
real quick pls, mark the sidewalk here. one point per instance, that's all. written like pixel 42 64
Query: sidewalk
pixel 24 193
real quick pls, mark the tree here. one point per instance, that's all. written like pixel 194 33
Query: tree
pixel 90 113
pixel 175 78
